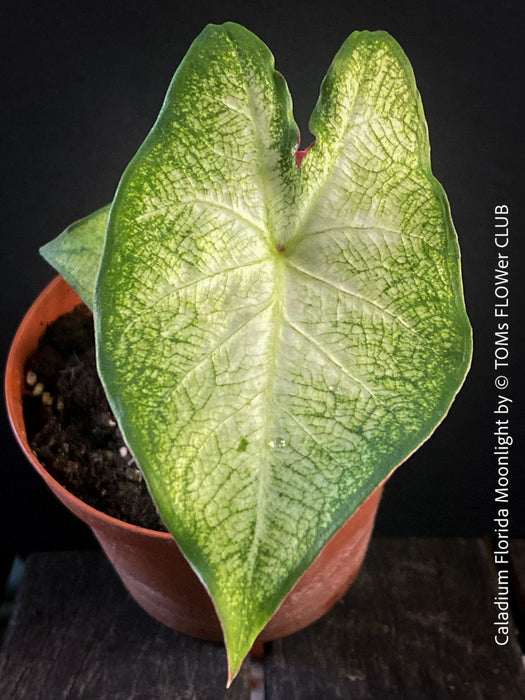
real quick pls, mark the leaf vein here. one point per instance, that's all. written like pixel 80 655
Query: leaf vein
pixel 316 344
pixel 223 341
pixel 312 436
pixel 354 295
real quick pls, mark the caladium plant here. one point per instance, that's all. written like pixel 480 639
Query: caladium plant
pixel 276 330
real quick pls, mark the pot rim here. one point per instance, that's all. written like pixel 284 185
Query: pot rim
pixel 23 344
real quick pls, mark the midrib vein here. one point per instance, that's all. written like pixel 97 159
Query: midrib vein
pixel 265 471
pixel 279 292
pixel 260 148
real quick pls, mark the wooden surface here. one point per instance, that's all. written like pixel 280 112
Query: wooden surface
pixel 75 633
pixel 418 624
pixel 517 553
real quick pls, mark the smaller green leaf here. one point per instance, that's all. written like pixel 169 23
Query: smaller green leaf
pixel 76 253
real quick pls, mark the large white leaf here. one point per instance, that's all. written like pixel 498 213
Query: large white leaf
pixel 275 340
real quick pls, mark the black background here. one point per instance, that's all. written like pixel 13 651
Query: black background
pixel 82 85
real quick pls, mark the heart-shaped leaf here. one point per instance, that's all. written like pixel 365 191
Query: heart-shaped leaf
pixel 276 339
pixel 76 253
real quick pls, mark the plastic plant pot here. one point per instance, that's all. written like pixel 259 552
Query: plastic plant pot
pixel 149 563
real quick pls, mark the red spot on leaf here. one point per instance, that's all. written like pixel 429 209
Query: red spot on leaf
pixel 301 155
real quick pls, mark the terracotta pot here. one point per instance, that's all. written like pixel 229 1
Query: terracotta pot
pixel 150 563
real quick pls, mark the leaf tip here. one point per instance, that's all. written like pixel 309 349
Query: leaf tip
pixel 234 666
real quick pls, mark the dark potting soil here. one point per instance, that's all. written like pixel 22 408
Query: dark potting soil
pixel 71 428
